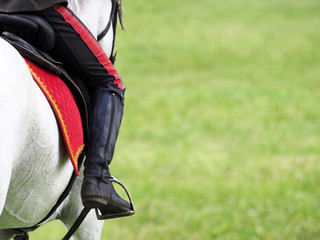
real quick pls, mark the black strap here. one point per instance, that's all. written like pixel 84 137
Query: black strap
pixel 115 22
pixel 114 15
pixel 77 223
pixel 22 236
pixel 106 29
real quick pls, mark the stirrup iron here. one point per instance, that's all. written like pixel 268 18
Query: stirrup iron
pixel 104 216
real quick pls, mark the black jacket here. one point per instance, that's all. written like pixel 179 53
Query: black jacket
pixel 9 6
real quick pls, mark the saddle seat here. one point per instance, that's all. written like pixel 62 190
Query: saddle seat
pixel 32 28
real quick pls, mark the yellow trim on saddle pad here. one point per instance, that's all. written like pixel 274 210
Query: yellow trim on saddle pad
pixel 74 156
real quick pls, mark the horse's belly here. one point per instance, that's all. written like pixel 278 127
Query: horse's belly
pixel 39 176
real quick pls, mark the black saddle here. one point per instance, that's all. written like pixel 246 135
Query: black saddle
pixel 30 27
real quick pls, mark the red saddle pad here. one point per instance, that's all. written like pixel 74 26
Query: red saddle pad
pixel 65 108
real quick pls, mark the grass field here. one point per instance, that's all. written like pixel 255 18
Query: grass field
pixel 221 133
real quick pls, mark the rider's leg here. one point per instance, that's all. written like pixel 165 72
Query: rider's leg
pixel 79 51
pixel 106 111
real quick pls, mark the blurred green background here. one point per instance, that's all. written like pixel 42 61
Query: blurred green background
pixel 221 133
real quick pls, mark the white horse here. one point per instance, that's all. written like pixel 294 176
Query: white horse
pixel 34 164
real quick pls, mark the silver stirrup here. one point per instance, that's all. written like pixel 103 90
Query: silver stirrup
pixel 101 216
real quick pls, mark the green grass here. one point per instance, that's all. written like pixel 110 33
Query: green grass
pixel 221 133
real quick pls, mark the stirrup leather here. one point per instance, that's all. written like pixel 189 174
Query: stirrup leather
pixel 104 216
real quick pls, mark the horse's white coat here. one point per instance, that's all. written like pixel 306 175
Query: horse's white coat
pixel 34 164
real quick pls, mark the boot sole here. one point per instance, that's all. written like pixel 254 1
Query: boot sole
pixel 103 205
pixel 106 210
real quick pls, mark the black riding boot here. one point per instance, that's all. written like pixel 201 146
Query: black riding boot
pixel 97 191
